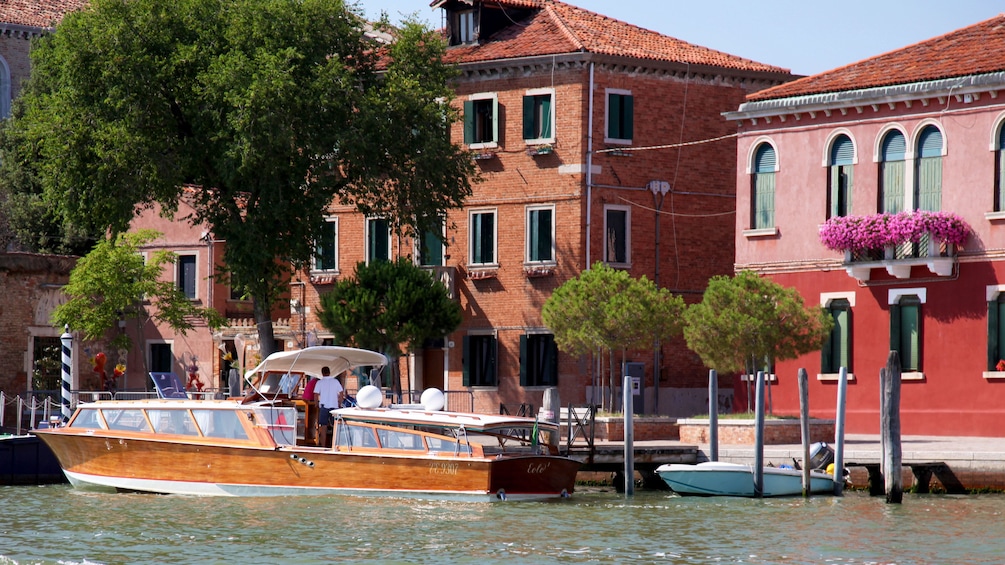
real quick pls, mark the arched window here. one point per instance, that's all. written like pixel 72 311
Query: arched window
pixel 928 177
pixel 840 178
pixel 1000 172
pixel 763 188
pixel 891 172
pixel 4 89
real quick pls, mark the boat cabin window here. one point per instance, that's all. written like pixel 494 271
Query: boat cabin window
pixel 220 423
pixel 281 423
pixel 172 421
pixel 87 418
pixel 349 435
pixel 444 445
pixel 399 439
pixel 129 420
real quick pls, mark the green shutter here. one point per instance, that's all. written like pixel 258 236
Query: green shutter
pixel 843 151
pixel 895 328
pixel 495 120
pixel 993 353
pixel 928 194
pixel 1000 177
pixel 528 118
pixel 613 116
pixel 469 122
pixel 892 186
pixel 524 360
pixel 910 334
pixel 544 242
pixel 546 117
pixel 466 360
pixel 551 362
pixel 491 373
pixel 628 125
pixel 835 192
pixel 894 147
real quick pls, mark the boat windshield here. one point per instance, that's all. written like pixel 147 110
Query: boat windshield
pixel 173 421
pixel 281 423
pixel 223 424
pixel 87 418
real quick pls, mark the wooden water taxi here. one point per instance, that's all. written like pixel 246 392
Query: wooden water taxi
pixel 259 445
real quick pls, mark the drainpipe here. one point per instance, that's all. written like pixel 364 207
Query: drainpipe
pixel 659 189
pixel 589 169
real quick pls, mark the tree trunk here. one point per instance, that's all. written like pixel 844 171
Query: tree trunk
pixel 263 323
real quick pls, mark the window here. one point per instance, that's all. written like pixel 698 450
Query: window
pixel 462 27
pixel 430 247
pixel 185 277
pixel 481 121
pixel 620 116
pixel 237 290
pixel 891 173
pixel 1000 171
pixel 540 234
pixel 161 358
pixel 326 247
pixel 763 197
pixel 479 353
pixel 539 116
pixel 905 332
pixel 928 180
pixel 538 360
pixel 996 332
pixel 836 352
pixel 378 240
pixel 840 177
pixel 482 234
pixel 4 89
pixel 617 244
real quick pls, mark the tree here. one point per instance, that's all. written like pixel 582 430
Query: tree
pixel 605 308
pixel 747 320
pixel 114 283
pixel 387 305
pixel 260 113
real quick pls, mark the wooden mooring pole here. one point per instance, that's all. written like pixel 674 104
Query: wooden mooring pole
pixel 713 415
pixel 892 467
pixel 759 437
pixel 629 410
pixel 839 432
pixel 804 426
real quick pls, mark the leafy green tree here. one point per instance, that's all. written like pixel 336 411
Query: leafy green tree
pixel 747 320
pixel 605 308
pixel 113 282
pixel 260 113
pixel 387 306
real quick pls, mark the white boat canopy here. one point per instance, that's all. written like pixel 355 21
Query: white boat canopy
pixel 311 359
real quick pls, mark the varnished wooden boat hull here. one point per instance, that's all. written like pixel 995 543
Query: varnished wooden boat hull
pixel 123 462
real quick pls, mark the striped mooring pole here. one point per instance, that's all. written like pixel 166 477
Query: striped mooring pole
pixel 67 341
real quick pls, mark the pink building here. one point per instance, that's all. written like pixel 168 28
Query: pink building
pixel 918 129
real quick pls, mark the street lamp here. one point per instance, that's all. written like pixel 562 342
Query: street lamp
pixel 659 188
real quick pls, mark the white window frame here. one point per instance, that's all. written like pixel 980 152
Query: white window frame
pixel 179 284
pixel 495 238
pixel 465 20
pixel 497 130
pixel 554 128
pixel 607 115
pixel 527 241
pixel 628 234
pixel 417 248
pixel 366 239
pixel 314 257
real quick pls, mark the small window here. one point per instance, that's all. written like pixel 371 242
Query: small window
pixel 479 352
pixel 462 27
pixel 430 248
pixel 538 360
pixel 996 333
pixel 378 240
pixel 540 234
pixel 326 250
pixel 617 235
pixel 840 179
pixel 763 188
pixel 893 151
pixel 481 121
pixel 538 117
pixel 1000 171
pixel 836 352
pixel 185 277
pixel 482 234
pixel 620 116
pixel 905 332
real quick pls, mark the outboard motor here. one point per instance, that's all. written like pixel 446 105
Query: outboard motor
pixel 821 455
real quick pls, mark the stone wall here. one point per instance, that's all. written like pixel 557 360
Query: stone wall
pixel 742 432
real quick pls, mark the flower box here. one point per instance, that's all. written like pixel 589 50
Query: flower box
pixel 877 231
pixel 483 156
pixel 483 274
pixel 536 272
pixel 540 150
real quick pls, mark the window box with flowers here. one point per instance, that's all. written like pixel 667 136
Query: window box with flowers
pixel 537 271
pixel 540 150
pixel 896 241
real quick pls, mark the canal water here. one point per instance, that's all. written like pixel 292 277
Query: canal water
pixel 57 524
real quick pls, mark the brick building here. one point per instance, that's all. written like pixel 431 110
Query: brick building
pixel 596 140
pixel 918 131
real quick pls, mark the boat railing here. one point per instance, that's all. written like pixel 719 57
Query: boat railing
pixel 454 400
pixel 30 410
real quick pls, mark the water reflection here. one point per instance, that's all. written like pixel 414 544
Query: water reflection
pixel 56 524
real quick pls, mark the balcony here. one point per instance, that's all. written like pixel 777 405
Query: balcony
pixel 897 260
pixel 445 275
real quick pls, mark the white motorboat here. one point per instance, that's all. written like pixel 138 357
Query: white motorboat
pixel 716 478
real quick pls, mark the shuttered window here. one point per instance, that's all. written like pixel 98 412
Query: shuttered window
pixel 479 363
pixel 891 175
pixel 905 332
pixel 481 121
pixel 540 234
pixel 763 198
pixel 538 360
pixel 928 186
pixel 483 237
pixel 840 178
pixel 326 247
pixel 996 332
pixel 1000 172
pixel 431 248
pixel 538 117
pixel 836 352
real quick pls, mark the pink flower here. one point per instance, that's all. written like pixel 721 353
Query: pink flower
pixel 876 231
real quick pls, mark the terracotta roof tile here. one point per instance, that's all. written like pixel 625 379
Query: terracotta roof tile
pixel 563 28
pixel 37 13
pixel 973 50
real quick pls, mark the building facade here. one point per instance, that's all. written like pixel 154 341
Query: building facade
pixel 876 190
pixel 595 140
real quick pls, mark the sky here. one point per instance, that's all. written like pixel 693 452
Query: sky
pixel 804 36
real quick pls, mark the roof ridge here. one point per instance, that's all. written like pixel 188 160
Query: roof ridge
pixel 563 26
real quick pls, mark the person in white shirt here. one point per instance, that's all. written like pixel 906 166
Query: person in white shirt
pixel 329 393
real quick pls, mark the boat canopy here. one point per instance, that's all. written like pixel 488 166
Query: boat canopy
pixel 311 359
pixel 471 422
